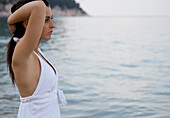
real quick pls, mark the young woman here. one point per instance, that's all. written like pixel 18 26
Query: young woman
pixel 35 77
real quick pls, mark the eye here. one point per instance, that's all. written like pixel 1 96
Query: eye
pixel 52 18
pixel 46 20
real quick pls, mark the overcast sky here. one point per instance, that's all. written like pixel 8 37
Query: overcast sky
pixel 126 7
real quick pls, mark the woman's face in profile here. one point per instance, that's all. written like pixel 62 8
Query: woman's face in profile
pixel 48 25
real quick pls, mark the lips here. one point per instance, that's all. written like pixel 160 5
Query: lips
pixel 50 32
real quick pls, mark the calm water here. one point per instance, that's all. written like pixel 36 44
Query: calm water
pixel 114 67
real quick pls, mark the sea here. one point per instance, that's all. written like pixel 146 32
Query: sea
pixel 109 67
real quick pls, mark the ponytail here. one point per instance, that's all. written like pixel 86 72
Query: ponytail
pixel 11 46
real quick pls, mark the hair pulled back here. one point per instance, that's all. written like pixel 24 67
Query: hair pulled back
pixel 19 32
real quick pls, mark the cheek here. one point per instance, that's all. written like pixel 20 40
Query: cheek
pixel 44 30
pixel 45 34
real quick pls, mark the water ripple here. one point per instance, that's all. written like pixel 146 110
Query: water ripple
pixel 114 68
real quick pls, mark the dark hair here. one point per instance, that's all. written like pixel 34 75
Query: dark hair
pixel 19 32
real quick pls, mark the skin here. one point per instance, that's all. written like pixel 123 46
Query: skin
pixel 25 63
pixel 48 27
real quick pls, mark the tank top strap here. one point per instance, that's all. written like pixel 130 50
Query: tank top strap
pixel 39 50
pixel 36 54
pixel 40 58
pixel 41 74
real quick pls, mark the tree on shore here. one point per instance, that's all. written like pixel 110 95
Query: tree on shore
pixel 61 3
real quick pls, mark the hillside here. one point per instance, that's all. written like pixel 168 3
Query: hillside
pixel 59 8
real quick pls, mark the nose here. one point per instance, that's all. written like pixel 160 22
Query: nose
pixel 52 25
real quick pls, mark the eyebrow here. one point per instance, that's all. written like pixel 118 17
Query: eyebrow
pixel 49 16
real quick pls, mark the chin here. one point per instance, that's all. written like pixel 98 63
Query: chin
pixel 47 38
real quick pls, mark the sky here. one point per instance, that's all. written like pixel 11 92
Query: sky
pixel 126 7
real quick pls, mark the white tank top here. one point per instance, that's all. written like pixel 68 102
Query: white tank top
pixel 44 102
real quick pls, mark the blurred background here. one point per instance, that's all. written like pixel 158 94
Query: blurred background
pixel 113 58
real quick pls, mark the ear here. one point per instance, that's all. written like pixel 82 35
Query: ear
pixel 25 23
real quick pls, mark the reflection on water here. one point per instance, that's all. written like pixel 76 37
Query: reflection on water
pixel 108 67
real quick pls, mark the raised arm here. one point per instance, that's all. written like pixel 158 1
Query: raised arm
pixel 24 12
pixel 35 13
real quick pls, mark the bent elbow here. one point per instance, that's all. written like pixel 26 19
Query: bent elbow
pixel 40 6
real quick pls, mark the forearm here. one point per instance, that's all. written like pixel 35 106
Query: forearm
pixel 25 11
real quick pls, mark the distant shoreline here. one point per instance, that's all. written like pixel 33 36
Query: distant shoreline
pixel 57 11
